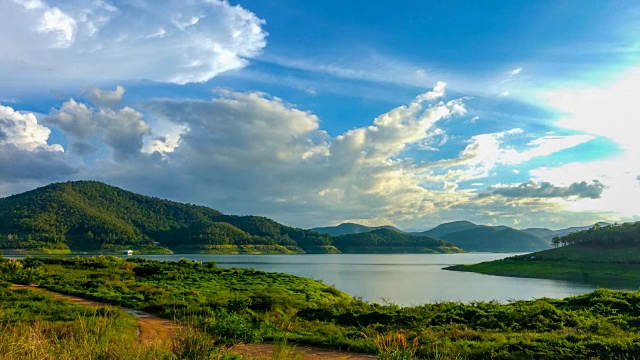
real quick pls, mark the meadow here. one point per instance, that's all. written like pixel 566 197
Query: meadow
pixel 247 306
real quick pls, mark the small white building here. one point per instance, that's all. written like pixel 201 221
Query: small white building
pixel 127 252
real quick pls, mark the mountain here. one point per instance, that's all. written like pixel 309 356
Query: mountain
pixel 599 255
pixel 448 228
pixel 392 241
pixel 544 233
pixel 548 234
pixel 90 216
pixel 472 237
pixel 496 239
pixel 350 228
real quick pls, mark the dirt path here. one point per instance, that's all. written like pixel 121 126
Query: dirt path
pixel 155 330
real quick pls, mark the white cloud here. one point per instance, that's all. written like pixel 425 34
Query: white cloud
pixel 515 72
pixel 58 42
pixel 251 153
pixel 106 98
pixel 121 129
pixel 26 158
pixel 605 111
pixel 23 131
pixel 609 111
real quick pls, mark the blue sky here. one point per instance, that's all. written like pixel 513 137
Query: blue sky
pixel 318 112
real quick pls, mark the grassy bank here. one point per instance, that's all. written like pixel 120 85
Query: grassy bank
pixel 586 263
pixel 245 305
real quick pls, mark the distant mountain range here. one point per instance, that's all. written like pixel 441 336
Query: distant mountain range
pixel 548 234
pixel 472 237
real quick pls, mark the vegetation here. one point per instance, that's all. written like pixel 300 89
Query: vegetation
pixel 36 326
pixel 548 234
pixel 89 216
pixel 350 228
pixel 95 217
pixel 244 305
pixel 496 239
pixel 599 254
pixel 472 237
pixel 391 241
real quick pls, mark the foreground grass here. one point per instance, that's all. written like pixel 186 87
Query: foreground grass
pixel 243 305
pixel 35 326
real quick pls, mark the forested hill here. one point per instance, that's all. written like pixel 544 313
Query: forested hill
pixel 472 237
pixel 496 239
pixel 89 215
pixel 350 228
pixel 607 236
pixel 601 255
pixel 388 241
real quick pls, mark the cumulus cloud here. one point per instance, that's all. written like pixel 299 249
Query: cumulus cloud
pixel 23 131
pixel 106 98
pixel 121 129
pixel 533 189
pixel 251 153
pixel 25 153
pixel 62 41
pixel 40 165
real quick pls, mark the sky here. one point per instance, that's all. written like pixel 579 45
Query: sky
pixel 313 113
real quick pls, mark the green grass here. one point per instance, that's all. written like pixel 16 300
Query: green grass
pixel 585 263
pixel 245 305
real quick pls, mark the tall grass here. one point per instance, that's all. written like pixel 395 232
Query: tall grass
pixel 86 338
pixel 394 346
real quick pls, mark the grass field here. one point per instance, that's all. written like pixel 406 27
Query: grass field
pixel 233 306
pixel 598 265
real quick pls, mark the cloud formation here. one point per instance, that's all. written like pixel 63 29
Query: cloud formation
pixel 23 132
pixel 120 129
pixel 56 42
pixel 533 189
pixel 251 153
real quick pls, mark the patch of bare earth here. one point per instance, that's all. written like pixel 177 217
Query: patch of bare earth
pixel 155 330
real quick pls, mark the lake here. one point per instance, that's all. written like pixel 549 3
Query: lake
pixel 403 279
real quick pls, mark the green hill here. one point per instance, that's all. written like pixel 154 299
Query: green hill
pixel 600 253
pixel 350 228
pixel 496 239
pixel 472 237
pixel 448 228
pixel 391 241
pixel 89 216
pixel 92 216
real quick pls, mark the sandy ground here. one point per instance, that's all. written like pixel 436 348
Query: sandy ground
pixel 155 330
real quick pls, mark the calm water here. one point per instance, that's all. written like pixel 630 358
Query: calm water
pixel 404 279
